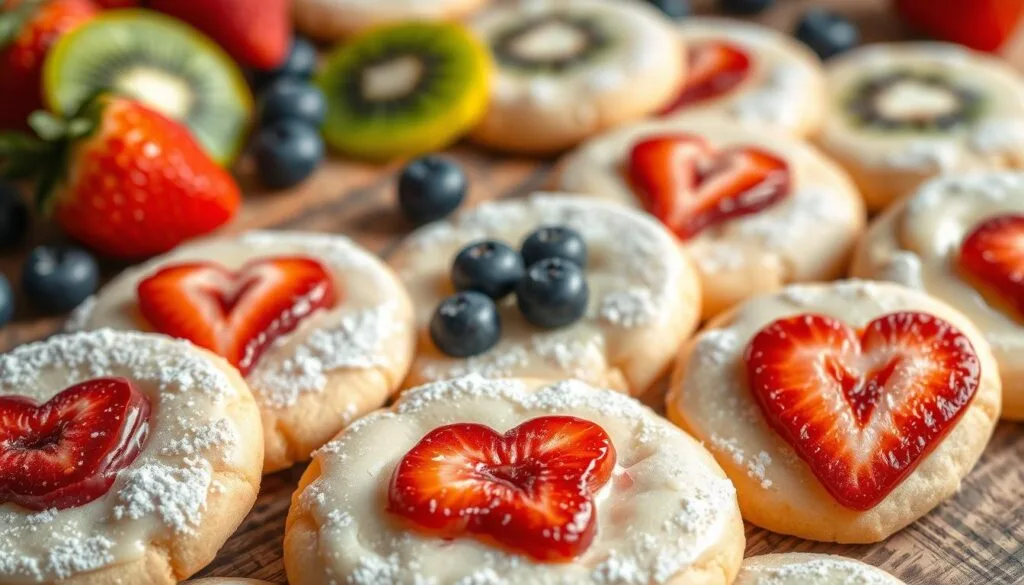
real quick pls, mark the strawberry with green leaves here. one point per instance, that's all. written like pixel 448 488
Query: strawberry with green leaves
pixel 121 178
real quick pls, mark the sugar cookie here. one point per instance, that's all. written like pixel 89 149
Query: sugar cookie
pixel 166 440
pixel 810 569
pixel 751 75
pixel 330 20
pixel 770 211
pixel 644 298
pixel 842 412
pixel 321 329
pixel 899 114
pixel 627 494
pixel 568 69
pixel 925 242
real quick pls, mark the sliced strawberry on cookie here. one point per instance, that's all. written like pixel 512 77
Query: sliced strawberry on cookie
pixel 862 409
pixel 683 181
pixel 715 68
pixel 67 452
pixel 992 257
pixel 531 489
pixel 235 314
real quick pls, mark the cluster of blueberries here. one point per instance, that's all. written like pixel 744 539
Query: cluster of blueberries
pixel 546 275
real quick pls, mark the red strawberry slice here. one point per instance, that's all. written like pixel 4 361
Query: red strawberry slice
pixel 68 451
pixel 992 256
pixel 683 181
pixel 235 314
pixel 862 409
pixel 715 68
pixel 531 489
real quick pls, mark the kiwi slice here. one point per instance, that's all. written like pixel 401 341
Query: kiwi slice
pixel 552 43
pixel 161 62
pixel 944 104
pixel 404 89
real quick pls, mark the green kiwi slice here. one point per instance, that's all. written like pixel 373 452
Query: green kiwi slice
pixel 161 62
pixel 404 89
pixel 552 43
pixel 947 104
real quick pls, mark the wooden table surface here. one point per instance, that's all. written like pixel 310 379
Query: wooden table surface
pixel 975 538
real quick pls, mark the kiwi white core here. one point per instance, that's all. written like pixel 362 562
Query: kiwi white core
pixel 164 92
pixel 912 99
pixel 392 79
pixel 550 41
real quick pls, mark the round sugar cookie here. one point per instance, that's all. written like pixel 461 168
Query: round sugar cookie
pixel 655 507
pixel 321 329
pixel 330 20
pixel 899 114
pixel 810 569
pixel 842 412
pixel 644 298
pixel 756 210
pixel 568 69
pixel 751 75
pixel 166 440
pixel 925 242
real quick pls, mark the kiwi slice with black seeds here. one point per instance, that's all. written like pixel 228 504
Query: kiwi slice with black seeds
pixel 161 62
pixel 574 40
pixel 965 106
pixel 404 89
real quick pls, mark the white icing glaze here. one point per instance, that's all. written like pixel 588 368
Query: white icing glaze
pixel 667 505
pixel 810 569
pixel 354 334
pixel 639 282
pixel 163 492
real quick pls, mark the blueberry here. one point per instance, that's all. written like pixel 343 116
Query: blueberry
pixel 13 216
pixel 299 64
pixel 554 241
pixel 553 294
pixel 465 324
pixel 672 8
pixel 488 267
pixel 292 99
pixel 827 33
pixel 286 153
pixel 59 279
pixel 6 301
pixel 430 188
pixel 744 6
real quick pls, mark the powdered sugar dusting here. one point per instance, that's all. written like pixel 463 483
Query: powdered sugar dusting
pixel 73 552
pixel 775 101
pixel 799 569
pixel 806 211
pixel 176 494
pixel 199 439
pixel 628 308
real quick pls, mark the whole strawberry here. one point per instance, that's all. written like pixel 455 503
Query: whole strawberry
pixel 27 31
pixel 122 178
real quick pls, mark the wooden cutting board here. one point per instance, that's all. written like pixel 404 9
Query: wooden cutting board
pixel 975 538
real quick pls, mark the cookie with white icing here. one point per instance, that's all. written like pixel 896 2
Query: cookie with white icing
pixel 644 298
pixel 330 20
pixel 751 75
pixel 616 492
pixel 961 239
pixel 899 114
pixel 320 328
pixel 568 69
pixel 842 412
pixel 810 569
pixel 166 450
pixel 756 210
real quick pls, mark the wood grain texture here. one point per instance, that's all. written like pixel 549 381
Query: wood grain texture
pixel 975 538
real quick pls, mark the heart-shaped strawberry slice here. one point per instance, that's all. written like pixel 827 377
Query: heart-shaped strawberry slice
pixel 862 409
pixel 235 314
pixel 67 452
pixel 687 184
pixel 715 68
pixel 531 489
pixel 992 257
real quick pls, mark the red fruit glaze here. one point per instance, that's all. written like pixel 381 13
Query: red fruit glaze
pixel 683 181
pixel 714 69
pixel 21 61
pixel 862 409
pixel 992 257
pixel 141 185
pixel 984 25
pixel 530 490
pixel 68 451
pixel 235 314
